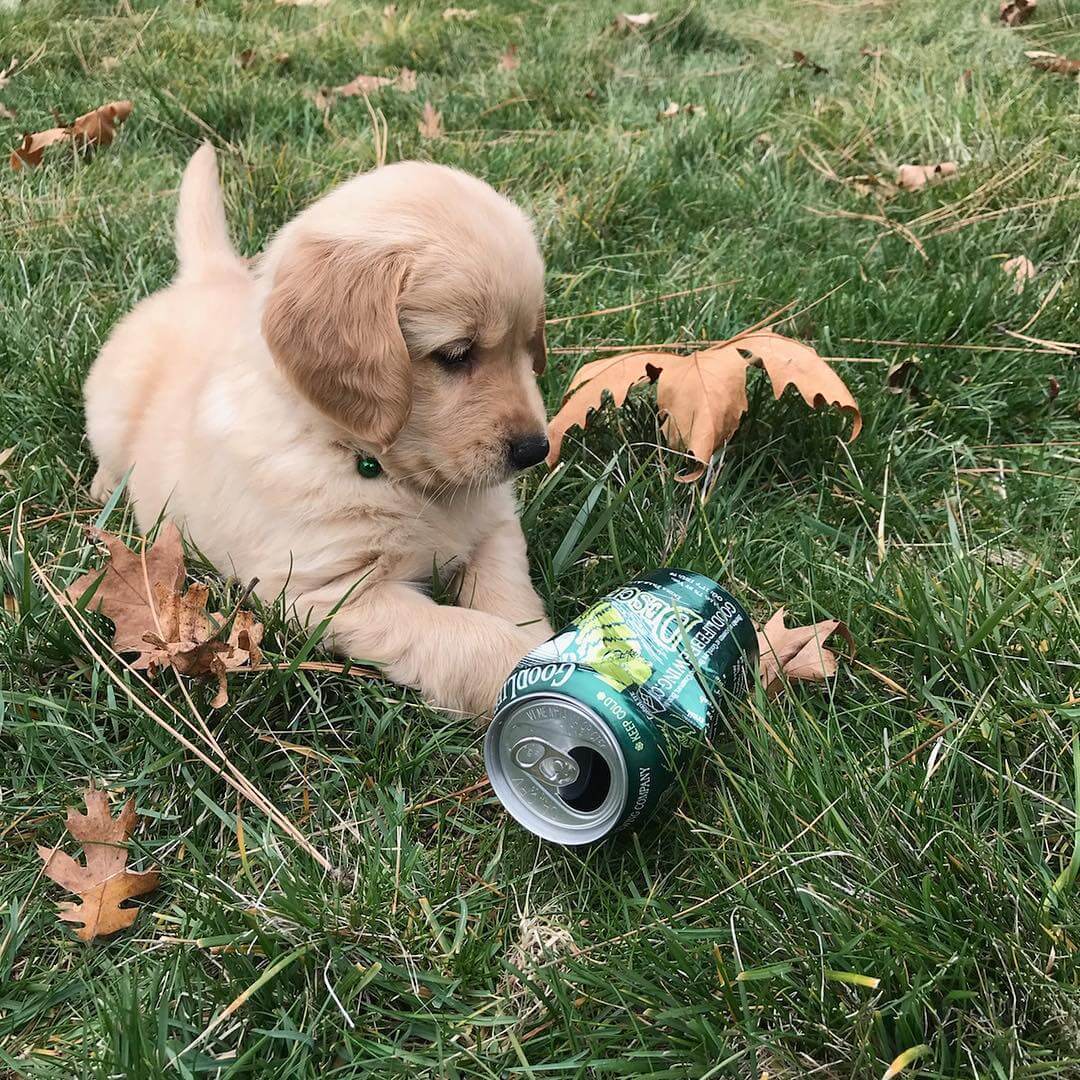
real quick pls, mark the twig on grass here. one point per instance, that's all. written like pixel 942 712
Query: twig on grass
pixel 639 303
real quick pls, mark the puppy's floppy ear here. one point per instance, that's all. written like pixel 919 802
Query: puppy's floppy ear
pixel 538 344
pixel 331 321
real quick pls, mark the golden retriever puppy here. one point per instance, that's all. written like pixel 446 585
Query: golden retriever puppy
pixel 346 420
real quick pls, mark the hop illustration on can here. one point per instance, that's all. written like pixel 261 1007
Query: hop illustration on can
pixel 592 728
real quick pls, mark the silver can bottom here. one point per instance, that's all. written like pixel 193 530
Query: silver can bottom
pixel 557 768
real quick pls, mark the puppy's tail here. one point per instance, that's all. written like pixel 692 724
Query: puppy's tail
pixel 202 235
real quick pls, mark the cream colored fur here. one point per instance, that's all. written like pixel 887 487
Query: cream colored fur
pixel 241 399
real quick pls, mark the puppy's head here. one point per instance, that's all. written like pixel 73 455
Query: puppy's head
pixel 407 306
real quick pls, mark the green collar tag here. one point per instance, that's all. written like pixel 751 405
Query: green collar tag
pixel 368 467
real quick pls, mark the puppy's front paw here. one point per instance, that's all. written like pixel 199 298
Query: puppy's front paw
pixel 474 692
pixel 102 486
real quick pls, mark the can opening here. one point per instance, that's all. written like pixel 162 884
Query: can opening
pixel 590 789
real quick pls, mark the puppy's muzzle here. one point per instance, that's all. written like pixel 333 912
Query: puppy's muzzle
pixel 527 450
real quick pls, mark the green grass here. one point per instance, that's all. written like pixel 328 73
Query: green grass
pixel 914 822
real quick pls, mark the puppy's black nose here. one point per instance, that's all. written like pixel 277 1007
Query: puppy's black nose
pixel 527 450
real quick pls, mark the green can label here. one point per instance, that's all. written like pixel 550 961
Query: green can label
pixel 654 660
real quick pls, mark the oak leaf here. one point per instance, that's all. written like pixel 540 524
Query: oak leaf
pixel 104 883
pixel 162 626
pixel 1015 12
pixel 702 397
pixel 430 126
pixel 796 653
pixel 95 128
pixel 916 177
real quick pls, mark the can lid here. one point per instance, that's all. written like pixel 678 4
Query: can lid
pixel 557 768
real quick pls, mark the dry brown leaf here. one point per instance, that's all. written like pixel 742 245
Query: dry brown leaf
pixel 509 60
pixel 247 58
pixel 282 58
pixel 614 375
pixel 915 177
pixel 158 623
pixel 34 145
pixel 1059 65
pixel 800 59
pixel 364 85
pixel 430 126
pixel 625 21
pixel 790 363
pixel 464 14
pixel 673 108
pixel 902 374
pixel 701 397
pixel 1021 269
pixel 1015 12
pixel 95 128
pixel 791 653
pixel 6 73
pixel 103 884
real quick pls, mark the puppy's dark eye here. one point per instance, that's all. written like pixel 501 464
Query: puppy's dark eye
pixel 454 356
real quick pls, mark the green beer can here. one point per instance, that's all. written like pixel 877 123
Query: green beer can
pixel 593 726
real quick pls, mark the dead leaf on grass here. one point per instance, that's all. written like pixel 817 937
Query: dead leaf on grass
pixel 464 14
pixel 1053 388
pixel 365 85
pixel 1015 12
pixel 1021 269
pixel 6 113
pixel 673 108
pixel 902 374
pixel 247 58
pixel 509 60
pixel 916 177
pixel 625 21
pixel 103 884
pixel 794 653
pixel 802 60
pixel 7 72
pixel 95 128
pixel 702 397
pixel 430 126
pixel 160 625
pixel 1049 61
pixel 302 3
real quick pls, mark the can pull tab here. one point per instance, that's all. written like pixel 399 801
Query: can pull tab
pixel 548 765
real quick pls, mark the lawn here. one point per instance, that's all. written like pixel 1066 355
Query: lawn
pixel 881 864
